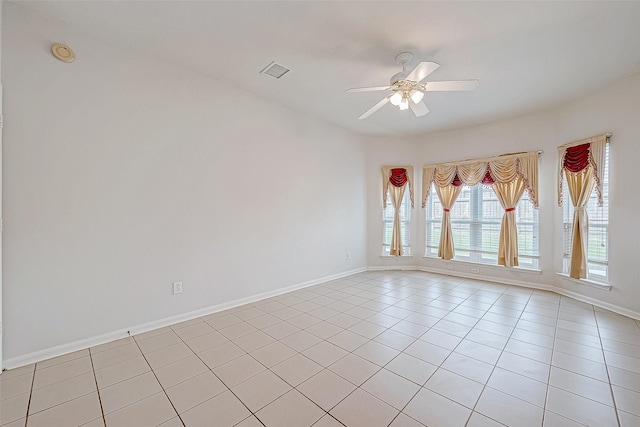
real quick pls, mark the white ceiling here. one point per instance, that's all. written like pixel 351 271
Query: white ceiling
pixel 528 56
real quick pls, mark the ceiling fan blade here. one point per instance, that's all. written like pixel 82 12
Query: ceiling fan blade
pixel 367 89
pixel 451 85
pixel 375 108
pixel 422 70
pixel 419 109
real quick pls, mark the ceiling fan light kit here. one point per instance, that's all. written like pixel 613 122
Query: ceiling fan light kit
pixel 404 103
pixel 396 98
pixel 408 89
pixel 416 96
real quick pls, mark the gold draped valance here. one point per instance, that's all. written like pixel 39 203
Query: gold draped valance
pixel 386 174
pixel 597 145
pixel 503 169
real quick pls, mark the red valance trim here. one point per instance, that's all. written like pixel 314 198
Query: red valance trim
pixel 488 179
pixel 510 209
pixel 398 177
pixel 456 181
pixel 576 158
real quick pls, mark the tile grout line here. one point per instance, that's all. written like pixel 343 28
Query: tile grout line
pixel 484 386
pixel 127 379
pixel 606 367
pixel 501 351
pixel 159 383
pixel 358 387
pixel 451 352
pixel 415 339
pixel 404 294
pixel 95 379
pixel 33 379
pixel 456 346
pixel 555 333
pixel 248 354
pixel 343 328
pixel 348 352
pixel 52 384
pixel 585 375
pixel 276 374
pixel 211 370
pixel 461 339
pixel 473 410
pixel 325 340
pixel 387 328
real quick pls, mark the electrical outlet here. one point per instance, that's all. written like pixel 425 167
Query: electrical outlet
pixel 475 270
pixel 348 255
pixel 177 288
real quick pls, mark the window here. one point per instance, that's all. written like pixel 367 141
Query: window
pixel 598 240
pixel 475 223
pixel 405 224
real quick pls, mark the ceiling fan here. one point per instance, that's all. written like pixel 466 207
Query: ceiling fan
pixel 407 89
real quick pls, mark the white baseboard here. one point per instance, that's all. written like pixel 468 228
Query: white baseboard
pixel 503 280
pixel 394 268
pixel 561 291
pixel 465 275
pixel 59 350
pixel 601 304
pixel 48 353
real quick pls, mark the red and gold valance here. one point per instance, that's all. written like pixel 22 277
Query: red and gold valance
pixel 501 169
pixel 579 155
pixel 576 158
pixel 398 176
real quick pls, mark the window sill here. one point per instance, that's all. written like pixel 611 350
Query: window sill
pixel 494 267
pixel 396 257
pixel 593 284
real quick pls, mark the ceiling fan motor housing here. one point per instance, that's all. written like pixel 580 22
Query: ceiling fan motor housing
pixel 396 77
pixel 401 59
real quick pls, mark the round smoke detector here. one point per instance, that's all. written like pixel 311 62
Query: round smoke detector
pixel 63 52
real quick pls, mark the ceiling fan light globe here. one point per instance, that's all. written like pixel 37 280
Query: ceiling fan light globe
pixel 396 98
pixel 416 96
pixel 404 102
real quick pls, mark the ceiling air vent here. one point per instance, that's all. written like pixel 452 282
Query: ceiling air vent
pixel 274 70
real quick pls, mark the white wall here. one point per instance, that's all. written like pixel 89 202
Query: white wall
pixel 124 174
pixel 1 339
pixel 613 109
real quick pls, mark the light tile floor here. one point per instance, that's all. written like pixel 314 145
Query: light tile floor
pixel 399 349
